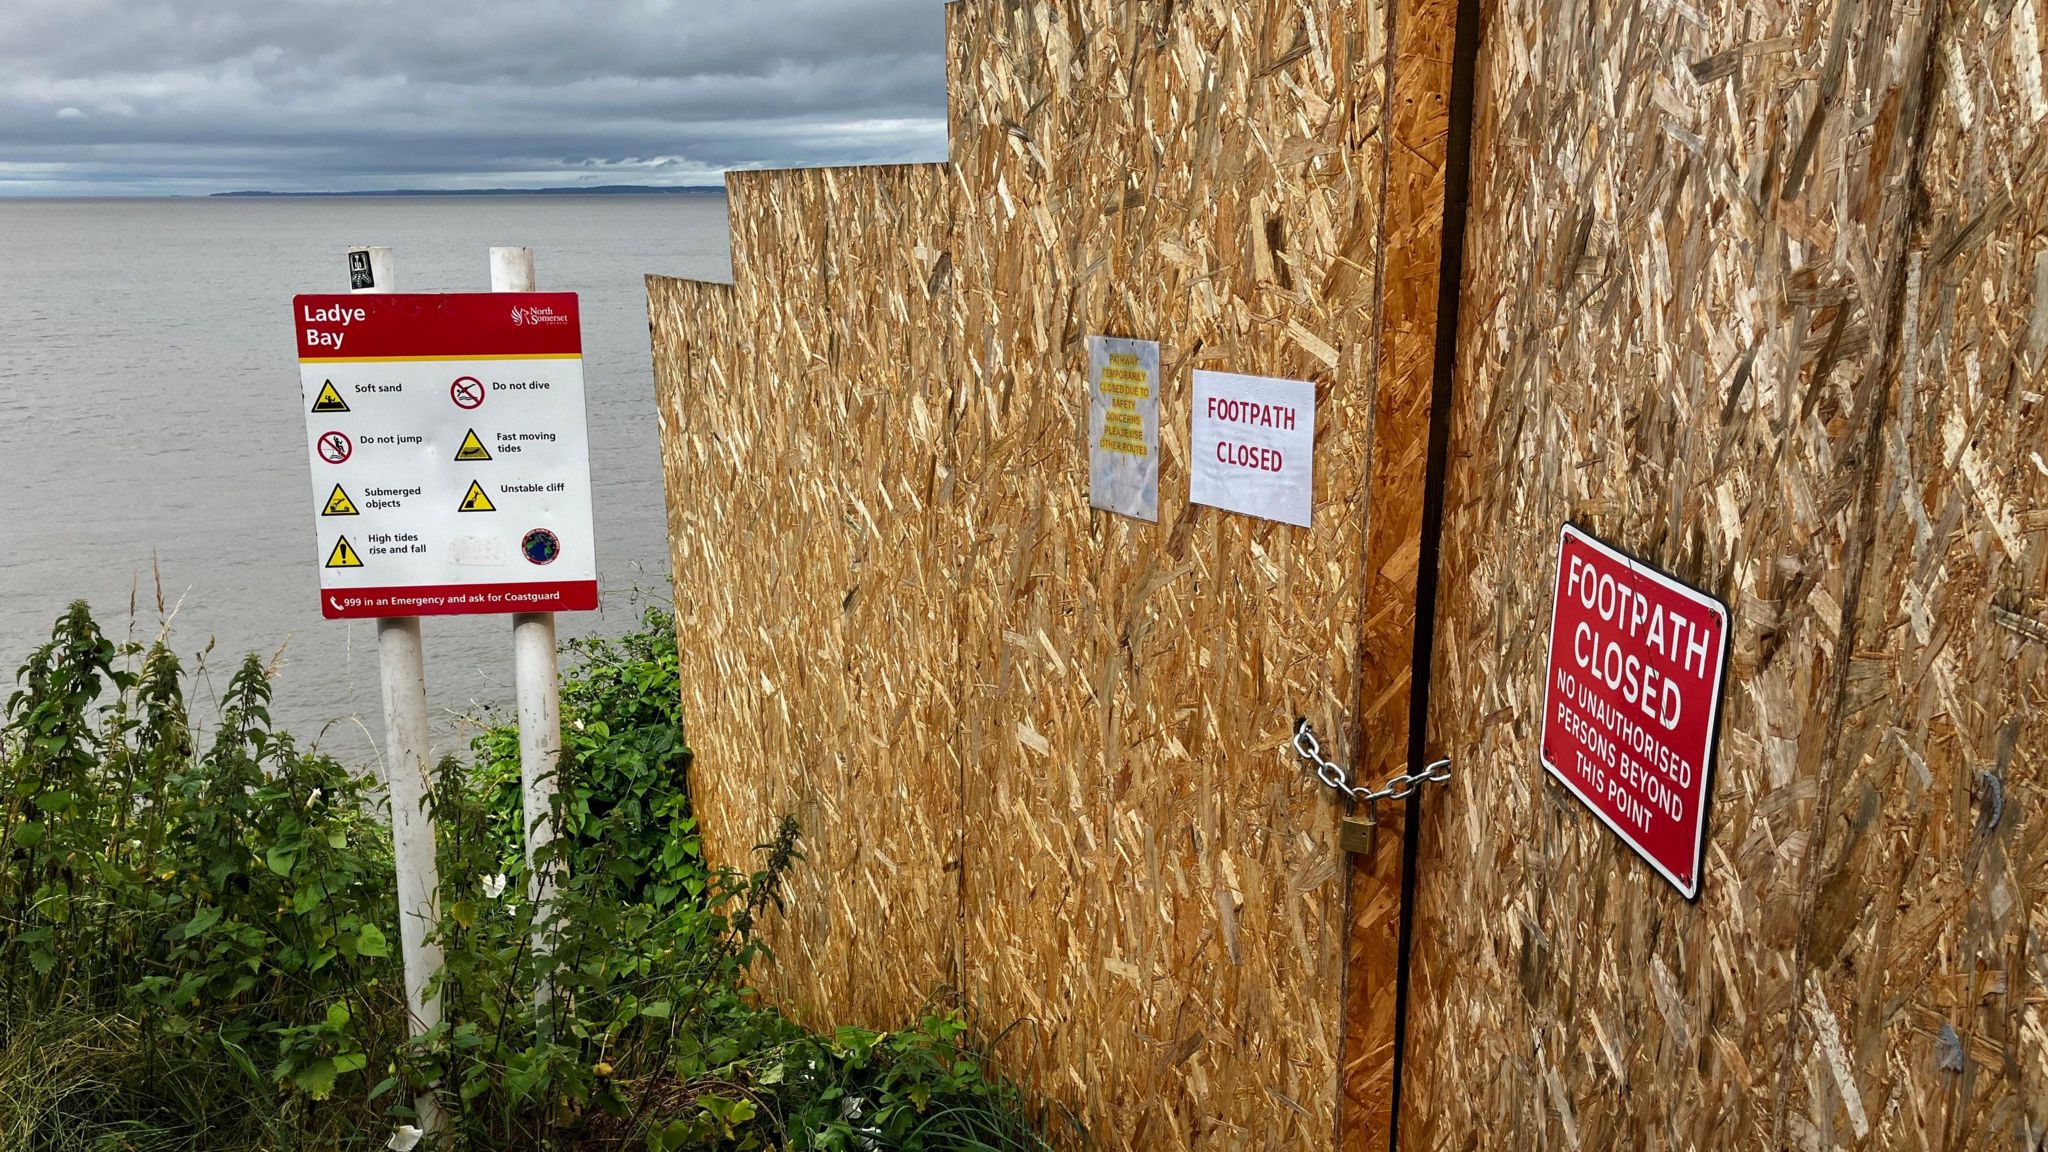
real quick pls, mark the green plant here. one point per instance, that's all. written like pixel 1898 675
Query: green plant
pixel 925 1089
pixel 626 812
pixel 633 992
pixel 921 1088
pixel 216 921
pixel 196 943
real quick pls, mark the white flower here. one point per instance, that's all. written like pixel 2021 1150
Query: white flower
pixel 312 797
pixel 494 886
pixel 404 1137
pixel 850 1109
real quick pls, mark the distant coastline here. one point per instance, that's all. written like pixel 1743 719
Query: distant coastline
pixel 599 190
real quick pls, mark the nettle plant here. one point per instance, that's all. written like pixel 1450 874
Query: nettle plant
pixel 223 911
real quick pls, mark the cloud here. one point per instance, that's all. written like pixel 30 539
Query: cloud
pixel 111 96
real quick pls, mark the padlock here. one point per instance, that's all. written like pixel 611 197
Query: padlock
pixel 1355 835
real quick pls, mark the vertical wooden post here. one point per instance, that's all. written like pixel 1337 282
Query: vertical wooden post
pixel 539 697
pixel 1416 121
pixel 407 785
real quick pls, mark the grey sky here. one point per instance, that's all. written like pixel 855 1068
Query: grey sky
pixel 196 96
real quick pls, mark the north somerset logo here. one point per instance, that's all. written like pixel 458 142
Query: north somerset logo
pixel 537 315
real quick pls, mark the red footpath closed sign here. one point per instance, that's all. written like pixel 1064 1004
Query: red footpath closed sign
pixel 1631 697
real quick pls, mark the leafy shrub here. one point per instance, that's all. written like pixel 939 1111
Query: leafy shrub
pixel 632 991
pixel 197 945
pixel 625 767
pixel 218 920
pixel 926 1089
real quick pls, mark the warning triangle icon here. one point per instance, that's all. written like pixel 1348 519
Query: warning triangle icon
pixel 344 555
pixel 329 400
pixel 472 448
pixel 338 504
pixel 475 501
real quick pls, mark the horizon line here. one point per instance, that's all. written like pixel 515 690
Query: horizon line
pixel 265 194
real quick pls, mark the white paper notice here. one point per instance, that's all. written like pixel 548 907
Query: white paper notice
pixel 1253 444
pixel 1123 426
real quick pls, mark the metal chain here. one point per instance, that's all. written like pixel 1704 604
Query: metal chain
pixel 1400 786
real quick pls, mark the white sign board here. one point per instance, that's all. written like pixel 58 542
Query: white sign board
pixel 450 460
pixel 1253 445
pixel 1123 426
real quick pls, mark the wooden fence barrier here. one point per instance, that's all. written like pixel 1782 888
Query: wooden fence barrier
pixel 1756 291
pixel 1038 752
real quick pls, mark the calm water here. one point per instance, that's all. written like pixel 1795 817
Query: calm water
pixel 150 424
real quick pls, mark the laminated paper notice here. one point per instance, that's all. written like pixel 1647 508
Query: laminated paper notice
pixel 1253 445
pixel 1123 426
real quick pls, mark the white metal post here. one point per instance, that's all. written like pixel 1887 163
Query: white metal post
pixel 539 696
pixel 407 784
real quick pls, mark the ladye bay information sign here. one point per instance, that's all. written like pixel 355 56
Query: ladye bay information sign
pixel 1631 697
pixel 450 461
pixel 1123 426
pixel 1253 445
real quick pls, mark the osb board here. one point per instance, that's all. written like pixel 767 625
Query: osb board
pixel 1151 878
pixel 1691 229
pixel 1925 1020
pixel 805 552
pixel 1077 719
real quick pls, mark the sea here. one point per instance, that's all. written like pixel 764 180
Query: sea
pixel 152 447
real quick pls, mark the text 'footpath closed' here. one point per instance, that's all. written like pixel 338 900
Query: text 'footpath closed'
pixel 1253 440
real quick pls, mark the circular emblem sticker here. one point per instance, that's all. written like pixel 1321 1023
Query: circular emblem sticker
pixel 541 546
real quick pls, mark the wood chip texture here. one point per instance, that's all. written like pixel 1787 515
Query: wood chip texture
pixel 1755 291
pixel 1039 753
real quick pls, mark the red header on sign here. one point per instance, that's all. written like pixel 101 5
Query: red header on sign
pixel 457 599
pixel 1630 700
pixel 455 325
